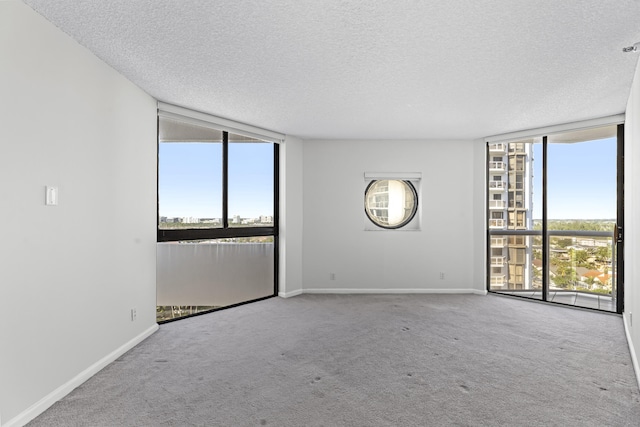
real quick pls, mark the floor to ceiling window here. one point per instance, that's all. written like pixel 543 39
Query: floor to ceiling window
pixel 555 218
pixel 217 218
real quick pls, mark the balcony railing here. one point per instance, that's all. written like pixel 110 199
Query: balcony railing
pixel 582 266
pixel 210 274
pixel 497 185
pixel 497 166
pixel 598 301
pixel 498 242
pixel 498 261
pixel 517 147
pixel 497 204
pixel 497 280
pixel 498 148
pixel 496 223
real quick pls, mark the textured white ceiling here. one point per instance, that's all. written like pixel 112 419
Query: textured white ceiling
pixel 384 69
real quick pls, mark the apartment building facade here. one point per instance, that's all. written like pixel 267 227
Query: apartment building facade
pixel 510 205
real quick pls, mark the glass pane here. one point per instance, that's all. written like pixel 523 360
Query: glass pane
pixel 582 196
pixel 516 265
pixel 189 176
pixel 513 196
pixel 390 203
pixel 581 177
pixel 250 182
pixel 580 271
pixel 536 197
pixel 200 275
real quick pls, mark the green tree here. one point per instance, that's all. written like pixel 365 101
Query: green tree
pixel 563 243
pixel 603 253
pixel 537 254
pixel 579 257
pixel 562 281
pixel 566 276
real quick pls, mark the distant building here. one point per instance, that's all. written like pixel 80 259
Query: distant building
pixel 210 220
pixel 590 242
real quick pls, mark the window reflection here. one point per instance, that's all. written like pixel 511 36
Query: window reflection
pixel 391 203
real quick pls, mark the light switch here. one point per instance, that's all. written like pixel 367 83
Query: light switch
pixel 51 198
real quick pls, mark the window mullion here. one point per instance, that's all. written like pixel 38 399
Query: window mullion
pixel 545 233
pixel 225 179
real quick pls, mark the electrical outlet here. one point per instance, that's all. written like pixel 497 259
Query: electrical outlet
pixel 332 276
pixel 441 275
pixel 134 314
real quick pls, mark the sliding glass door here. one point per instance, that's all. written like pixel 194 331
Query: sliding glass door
pixel 555 218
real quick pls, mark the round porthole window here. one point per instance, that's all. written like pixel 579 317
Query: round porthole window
pixel 390 203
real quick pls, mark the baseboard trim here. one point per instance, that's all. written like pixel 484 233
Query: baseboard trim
pixel 290 294
pixel 46 402
pixel 634 357
pixel 392 291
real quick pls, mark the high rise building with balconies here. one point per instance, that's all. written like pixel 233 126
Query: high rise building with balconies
pixel 510 208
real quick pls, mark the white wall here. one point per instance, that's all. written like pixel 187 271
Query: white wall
pixel 451 239
pixel 290 261
pixel 632 221
pixel 71 273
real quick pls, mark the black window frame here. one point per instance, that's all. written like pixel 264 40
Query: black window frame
pixel 226 232
pixel 414 209
pixel 516 148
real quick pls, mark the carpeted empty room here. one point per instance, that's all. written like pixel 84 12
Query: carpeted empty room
pixel 369 360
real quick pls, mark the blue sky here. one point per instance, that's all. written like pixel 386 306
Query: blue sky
pixel 190 179
pixel 581 180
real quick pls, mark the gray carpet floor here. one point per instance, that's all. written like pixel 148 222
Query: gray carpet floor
pixel 369 360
